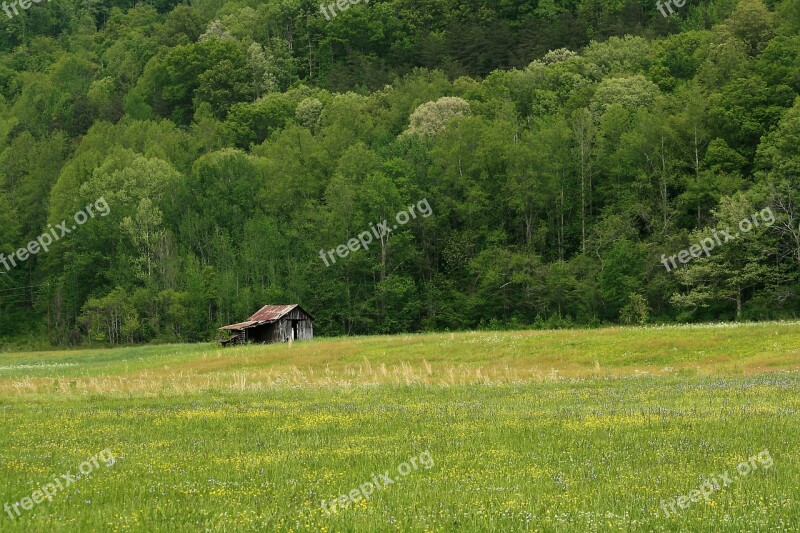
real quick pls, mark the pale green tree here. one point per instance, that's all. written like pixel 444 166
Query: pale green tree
pixel 433 117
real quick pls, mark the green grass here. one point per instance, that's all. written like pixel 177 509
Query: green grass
pixel 529 431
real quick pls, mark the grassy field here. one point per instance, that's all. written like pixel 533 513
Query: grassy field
pixel 584 430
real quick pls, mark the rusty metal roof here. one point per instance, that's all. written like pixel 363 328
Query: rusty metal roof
pixel 265 315
pixel 270 313
pixel 240 325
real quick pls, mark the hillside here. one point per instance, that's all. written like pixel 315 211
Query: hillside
pixel 166 169
pixel 525 266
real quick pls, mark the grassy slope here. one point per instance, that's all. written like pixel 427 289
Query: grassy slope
pixel 442 358
pixel 254 438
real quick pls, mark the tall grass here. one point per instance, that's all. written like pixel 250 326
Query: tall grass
pixel 529 431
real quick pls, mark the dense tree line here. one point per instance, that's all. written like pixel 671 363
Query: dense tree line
pixel 563 147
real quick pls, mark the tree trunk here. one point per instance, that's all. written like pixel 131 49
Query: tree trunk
pixel 738 304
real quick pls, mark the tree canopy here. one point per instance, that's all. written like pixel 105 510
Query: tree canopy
pixel 563 148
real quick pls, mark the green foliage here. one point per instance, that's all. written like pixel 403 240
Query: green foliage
pixel 432 117
pixel 623 271
pixel 635 311
pixel 212 71
pixel 561 147
pixel 251 123
pixel 629 92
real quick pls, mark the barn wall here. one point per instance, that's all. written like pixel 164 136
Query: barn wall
pixel 305 330
pixel 281 331
pixel 297 314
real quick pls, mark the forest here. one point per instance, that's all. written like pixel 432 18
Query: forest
pixel 563 147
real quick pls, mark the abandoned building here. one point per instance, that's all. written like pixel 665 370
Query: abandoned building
pixel 272 323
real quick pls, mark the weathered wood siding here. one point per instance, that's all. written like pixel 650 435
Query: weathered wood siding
pixel 281 331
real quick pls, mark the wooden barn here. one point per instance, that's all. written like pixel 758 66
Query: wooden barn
pixel 272 323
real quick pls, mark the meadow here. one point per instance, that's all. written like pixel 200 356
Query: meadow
pixel 578 430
